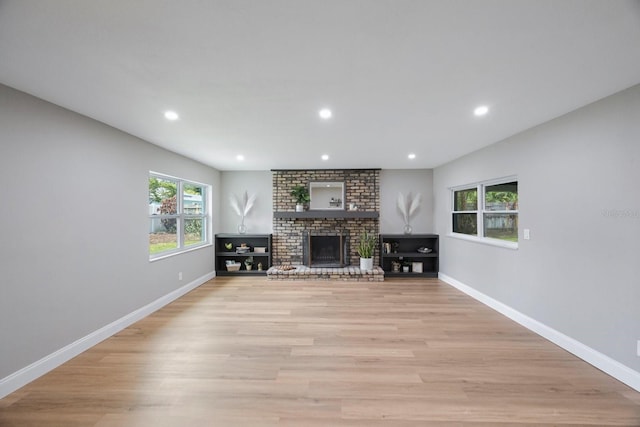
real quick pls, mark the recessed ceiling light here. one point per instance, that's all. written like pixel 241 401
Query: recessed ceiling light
pixel 325 157
pixel 411 156
pixel 240 157
pixel 481 110
pixel 325 113
pixel 171 115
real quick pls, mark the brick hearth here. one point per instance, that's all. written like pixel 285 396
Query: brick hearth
pixel 347 274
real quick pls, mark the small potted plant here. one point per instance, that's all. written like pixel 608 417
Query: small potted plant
pixel 366 246
pixel 248 263
pixel 405 266
pixel 301 195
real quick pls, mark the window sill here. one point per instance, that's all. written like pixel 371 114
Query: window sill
pixel 182 251
pixel 485 241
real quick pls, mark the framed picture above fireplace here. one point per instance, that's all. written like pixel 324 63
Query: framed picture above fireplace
pixel 326 195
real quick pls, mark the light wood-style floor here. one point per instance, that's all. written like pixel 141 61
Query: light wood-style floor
pixel 248 352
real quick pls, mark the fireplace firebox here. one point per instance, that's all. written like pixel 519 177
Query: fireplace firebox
pixel 328 249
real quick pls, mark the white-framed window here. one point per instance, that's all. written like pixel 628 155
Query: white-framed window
pixel 178 215
pixel 486 211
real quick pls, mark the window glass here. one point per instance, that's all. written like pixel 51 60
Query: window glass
pixel 501 226
pixel 162 193
pixel 466 200
pixel 465 223
pixel 193 199
pixel 194 231
pixel 161 239
pixel 501 197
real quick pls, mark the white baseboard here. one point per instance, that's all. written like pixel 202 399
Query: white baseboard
pixel 606 364
pixel 29 373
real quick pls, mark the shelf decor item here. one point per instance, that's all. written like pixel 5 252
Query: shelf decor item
pixel 408 206
pixel 242 206
pixel 416 267
pixel 243 249
pixel 366 247
pixel 301 195
pixel 248 263
pixel 405 266
pixel 232 266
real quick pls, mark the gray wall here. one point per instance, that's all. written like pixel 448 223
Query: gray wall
pixel 260 218
pixel 394 181
pixel 74 253
pixel 578 188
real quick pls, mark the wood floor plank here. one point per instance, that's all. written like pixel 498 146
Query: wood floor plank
pixel 244 351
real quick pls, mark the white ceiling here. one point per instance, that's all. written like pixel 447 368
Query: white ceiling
pixel 249 76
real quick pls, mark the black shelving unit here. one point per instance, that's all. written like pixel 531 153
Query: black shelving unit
pixel 251 240
pixel 403 248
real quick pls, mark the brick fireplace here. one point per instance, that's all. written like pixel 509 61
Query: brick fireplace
pixel 362 188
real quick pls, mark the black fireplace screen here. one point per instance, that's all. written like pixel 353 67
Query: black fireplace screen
pixel 325 249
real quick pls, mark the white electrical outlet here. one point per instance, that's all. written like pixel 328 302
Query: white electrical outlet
pixel 180 276
pixel 638 349
pixel 527 236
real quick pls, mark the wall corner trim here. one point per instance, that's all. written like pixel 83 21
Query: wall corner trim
pixel 606 364
pixel 20 378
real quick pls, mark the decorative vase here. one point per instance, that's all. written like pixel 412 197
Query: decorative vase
pixel 366 264
pixel 299 208
pixel 407 229
pixel 241 227
pixel 248 266
pixel 395 266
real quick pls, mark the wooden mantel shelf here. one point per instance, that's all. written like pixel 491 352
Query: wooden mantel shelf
pixel 325 214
